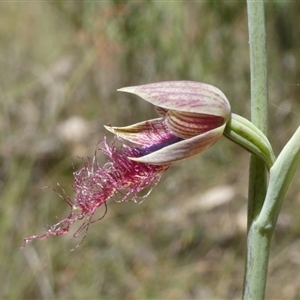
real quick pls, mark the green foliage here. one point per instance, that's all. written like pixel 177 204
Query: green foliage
pixel 62 63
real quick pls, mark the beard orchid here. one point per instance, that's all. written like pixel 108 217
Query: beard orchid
pixel 192 117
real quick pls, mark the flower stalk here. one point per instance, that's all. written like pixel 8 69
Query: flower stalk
pixel 244 133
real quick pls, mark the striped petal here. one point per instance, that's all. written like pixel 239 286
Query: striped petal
pixel 147 133
pixel 186 125
pixel 187 96
pixel 183 149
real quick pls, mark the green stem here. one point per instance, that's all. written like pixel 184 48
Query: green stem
pixel 261 229
pixel 258 245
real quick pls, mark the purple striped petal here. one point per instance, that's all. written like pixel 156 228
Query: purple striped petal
pixel 183 149
pixel 188 96
pixel 186 125
pixel 147 133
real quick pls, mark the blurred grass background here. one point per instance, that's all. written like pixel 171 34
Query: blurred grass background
pixel 61 63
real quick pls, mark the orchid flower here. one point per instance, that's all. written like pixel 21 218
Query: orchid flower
pixel 192 117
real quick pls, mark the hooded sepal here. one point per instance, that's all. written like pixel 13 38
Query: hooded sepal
pixel 187 96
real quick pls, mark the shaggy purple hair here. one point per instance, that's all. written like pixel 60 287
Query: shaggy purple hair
pixel 120 178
